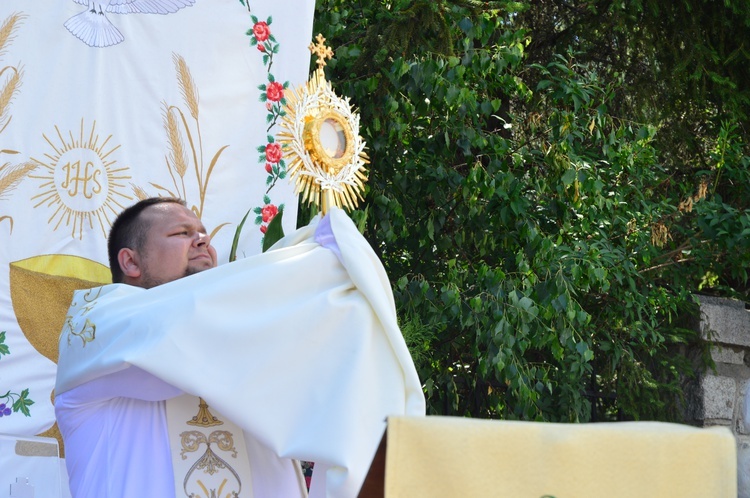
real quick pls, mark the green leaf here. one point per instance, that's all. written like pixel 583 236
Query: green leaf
pixel 22 404
pixel 544 84
pixel 274 232
pixel 569 176
pixel 236 239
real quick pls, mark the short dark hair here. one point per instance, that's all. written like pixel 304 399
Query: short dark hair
pixel 129 230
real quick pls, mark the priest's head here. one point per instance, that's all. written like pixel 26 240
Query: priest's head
pixel 156 241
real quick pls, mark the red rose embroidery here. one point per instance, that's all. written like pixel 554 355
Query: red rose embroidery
pixel 269 169
pixel 273 153
pixel 261 48
pixel 261 31
pixel 268 212
pixel 263 229
pixel 275 91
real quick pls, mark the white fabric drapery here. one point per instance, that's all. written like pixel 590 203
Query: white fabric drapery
pixel 299 346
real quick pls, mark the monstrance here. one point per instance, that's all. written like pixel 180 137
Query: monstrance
pixel 320 139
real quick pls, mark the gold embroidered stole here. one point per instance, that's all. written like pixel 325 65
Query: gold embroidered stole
pixel 209 456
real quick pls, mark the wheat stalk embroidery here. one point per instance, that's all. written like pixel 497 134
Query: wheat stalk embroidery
pixel 11 78
pixel 185 144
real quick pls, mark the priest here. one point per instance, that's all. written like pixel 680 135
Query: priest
pixel 186 379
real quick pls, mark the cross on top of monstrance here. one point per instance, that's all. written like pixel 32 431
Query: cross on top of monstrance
pixel 320 139
pixel 322 50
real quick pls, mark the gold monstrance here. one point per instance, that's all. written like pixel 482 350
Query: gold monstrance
pixel 320 138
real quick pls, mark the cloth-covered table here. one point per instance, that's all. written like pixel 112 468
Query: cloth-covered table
pixel 439 457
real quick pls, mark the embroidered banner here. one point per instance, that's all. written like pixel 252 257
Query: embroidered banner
pixel 103 102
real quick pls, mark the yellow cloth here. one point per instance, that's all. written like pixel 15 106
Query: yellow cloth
pixel 468 458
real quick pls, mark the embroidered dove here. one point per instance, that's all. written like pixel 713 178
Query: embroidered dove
pixel 94 29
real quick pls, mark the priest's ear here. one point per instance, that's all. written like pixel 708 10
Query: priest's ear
pixel 129 263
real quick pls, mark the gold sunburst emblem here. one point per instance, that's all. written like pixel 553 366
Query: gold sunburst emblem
pixel 320 138
pixel 80 181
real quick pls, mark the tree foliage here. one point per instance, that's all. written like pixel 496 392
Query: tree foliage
pixel 544 226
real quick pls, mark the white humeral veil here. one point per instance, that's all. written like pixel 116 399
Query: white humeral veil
pixel 298 346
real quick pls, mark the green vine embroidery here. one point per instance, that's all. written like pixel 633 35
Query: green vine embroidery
pixel 12 402
pixel 272 94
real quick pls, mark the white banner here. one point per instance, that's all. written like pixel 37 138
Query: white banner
pixel 106 101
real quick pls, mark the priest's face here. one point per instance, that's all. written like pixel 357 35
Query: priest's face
pixel 176 246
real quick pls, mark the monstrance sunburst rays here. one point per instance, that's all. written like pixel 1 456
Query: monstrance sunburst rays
pixel 320 138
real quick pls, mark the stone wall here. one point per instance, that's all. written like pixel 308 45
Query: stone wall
pixel 717 397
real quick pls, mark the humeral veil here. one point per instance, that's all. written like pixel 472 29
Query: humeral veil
pixel 298 346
